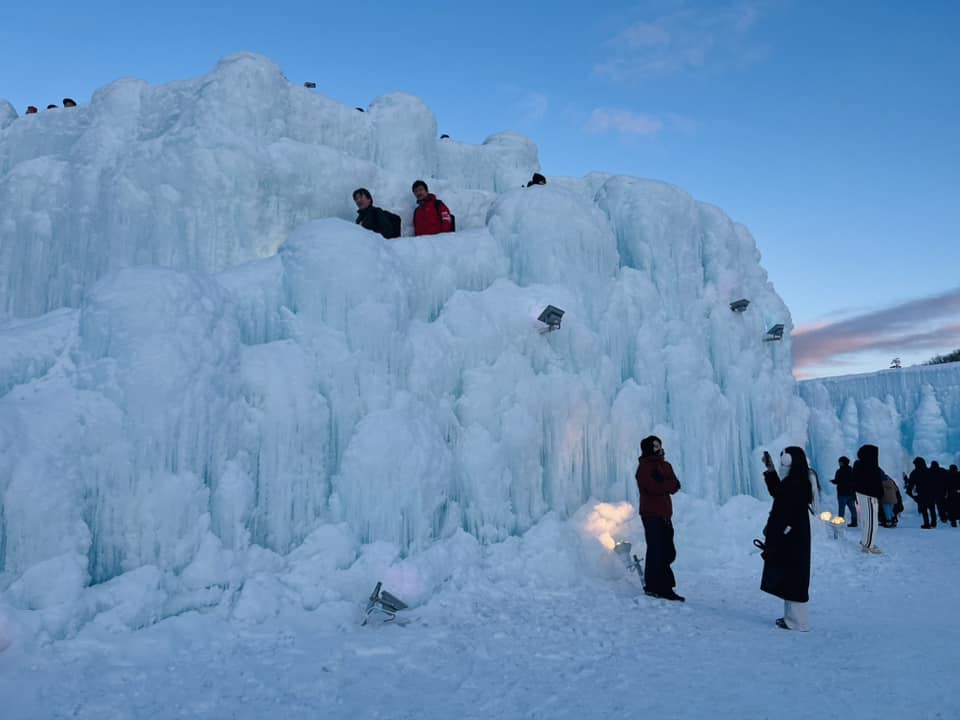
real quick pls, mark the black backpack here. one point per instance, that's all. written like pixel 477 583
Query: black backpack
pixel 390 224
pixel 453 218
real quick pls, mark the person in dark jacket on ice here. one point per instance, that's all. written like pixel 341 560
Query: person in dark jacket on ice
pixel 657 482
pixel 846 492
pixel 868 481
pixel 373 218
pixel 786 544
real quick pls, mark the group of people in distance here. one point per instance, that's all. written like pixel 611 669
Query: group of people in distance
pixel 936 491
pixel 67 103
pixel 430 217
pixel 795 489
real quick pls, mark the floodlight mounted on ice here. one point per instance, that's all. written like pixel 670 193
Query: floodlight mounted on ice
pixel 739 305
pixel 550 317
pixel 774 333
pixel 309 84
pixel 382 606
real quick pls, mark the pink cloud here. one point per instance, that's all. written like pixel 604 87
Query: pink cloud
pixel 894 329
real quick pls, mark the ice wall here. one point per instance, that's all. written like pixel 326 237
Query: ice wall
pixel 907 412
pixel 210 379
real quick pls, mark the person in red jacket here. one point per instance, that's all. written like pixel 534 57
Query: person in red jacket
pixel 657 482
pixel 431 216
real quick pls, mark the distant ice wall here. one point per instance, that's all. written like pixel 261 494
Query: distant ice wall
pixel 907 412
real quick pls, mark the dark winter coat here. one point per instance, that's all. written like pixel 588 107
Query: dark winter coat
pixel 933 487
pixel 916 481
pixel 786 557
pixel 844 481
pixel 656 482
pixel 953 494
pixel 867 475
pixel 375 219
pixel 431 217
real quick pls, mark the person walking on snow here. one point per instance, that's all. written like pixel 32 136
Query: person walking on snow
pixel 868 481
pixel 914 482
pixel 846 494
pixel 431 217
pixel 656 482
pixel 786 544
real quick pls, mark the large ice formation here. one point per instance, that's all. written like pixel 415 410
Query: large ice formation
pixel 907 413
pixel 217 391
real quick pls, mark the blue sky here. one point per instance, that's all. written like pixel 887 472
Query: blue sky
pixel 832 130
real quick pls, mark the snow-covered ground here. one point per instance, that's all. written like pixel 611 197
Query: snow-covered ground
pixel 531 630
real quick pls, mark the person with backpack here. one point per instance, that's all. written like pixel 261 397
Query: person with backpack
pixel 431 217
pixel 786 545
pixel 846 493
pixel 656 482
pixel 868 481
pixel 373 218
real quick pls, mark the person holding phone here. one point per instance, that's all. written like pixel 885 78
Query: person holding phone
pixel 786 544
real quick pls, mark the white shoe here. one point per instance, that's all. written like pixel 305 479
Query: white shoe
pixel 875 550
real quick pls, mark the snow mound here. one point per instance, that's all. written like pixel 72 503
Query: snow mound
pixel 218 393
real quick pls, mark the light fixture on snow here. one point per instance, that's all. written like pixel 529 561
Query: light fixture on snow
pixel 774 333
pixel 550 317
pixel 382 607
pixel 622 549
pixel 834 524
pixel 739 305
pixel 309 84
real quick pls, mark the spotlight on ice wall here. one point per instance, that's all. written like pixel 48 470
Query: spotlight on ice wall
pixel 382 607
pixel 551 317
pixel 774 333
pixel 309 84
pixel 739 305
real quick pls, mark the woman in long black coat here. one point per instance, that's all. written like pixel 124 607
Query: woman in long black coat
pixel 786 554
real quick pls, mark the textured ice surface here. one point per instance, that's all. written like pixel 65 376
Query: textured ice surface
pixel 218 392
pixel 907 412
